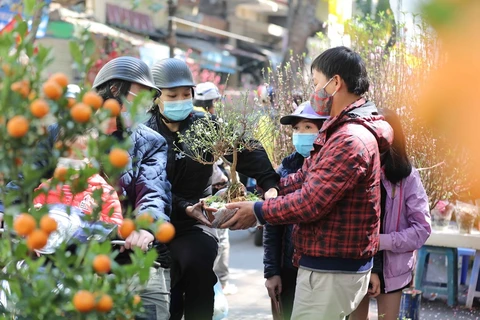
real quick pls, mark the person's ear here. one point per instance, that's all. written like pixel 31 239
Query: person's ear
pixel 338 82
pixel 159 104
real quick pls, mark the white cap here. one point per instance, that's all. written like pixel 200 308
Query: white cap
pixel 206 91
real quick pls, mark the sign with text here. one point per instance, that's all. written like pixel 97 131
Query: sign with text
pixel 135 21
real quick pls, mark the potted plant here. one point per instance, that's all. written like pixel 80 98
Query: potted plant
pixel 235 128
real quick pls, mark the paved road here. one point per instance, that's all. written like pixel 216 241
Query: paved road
pixel 246 272
pixel 252 302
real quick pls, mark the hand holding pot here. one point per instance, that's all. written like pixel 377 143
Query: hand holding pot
pixel 244 218
pixel 201 213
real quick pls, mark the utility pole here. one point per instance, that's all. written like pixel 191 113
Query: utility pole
pixel 171 37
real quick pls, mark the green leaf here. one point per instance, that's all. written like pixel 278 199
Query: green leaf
pixel 90 47
pixel 21 250
pixel 76 52
pixel 22 28
pixel 29 6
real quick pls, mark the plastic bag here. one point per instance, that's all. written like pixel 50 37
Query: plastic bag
pixel 442 214
pixel 466 214
pixel 220 308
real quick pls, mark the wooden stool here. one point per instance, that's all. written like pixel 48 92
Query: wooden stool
pixel 451 287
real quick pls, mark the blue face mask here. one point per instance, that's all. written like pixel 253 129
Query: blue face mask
pixel 177 110
pixel 303 142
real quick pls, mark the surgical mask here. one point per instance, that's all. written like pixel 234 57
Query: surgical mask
pixel 321 101
pixel 177 110
pixel 303 142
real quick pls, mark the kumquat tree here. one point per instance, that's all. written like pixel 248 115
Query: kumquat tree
pixel 81 283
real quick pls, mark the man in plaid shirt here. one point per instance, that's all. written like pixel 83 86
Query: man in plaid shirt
pixel 334 200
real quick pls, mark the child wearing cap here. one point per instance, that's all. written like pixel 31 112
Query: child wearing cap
pixel 277 240
pixel 206 94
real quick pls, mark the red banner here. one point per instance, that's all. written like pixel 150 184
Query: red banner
pixel 11 25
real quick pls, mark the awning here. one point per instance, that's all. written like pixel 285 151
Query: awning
pixel 275 58
pixel 150 51
pixel 100 28
pixel 210 56
pixel 244 53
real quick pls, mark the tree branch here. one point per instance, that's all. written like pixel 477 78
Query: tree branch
pixel 36 20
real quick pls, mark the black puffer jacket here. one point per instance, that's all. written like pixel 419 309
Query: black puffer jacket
pixel 277 240
pixel 191 180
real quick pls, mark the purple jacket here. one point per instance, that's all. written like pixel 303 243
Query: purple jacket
pixel 406 228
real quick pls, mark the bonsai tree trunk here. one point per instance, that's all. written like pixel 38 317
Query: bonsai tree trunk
pixel 233 168
pixel 236 190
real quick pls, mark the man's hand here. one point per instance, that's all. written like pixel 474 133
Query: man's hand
pixel 201 213
pixel 274 286
pixel 271 193
pixel 244 218
pixel 140 239
pixel 374 289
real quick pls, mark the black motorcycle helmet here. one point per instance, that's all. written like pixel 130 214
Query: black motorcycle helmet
pixel 172 73
pixel 125 68
pixel 121 72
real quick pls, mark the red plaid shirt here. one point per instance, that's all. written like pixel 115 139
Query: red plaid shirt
pixel 334 200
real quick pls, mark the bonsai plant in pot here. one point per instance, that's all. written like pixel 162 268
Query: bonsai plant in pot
pixel 234 129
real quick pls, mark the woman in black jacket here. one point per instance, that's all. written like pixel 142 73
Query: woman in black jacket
pixel 279 270
pixel 194 248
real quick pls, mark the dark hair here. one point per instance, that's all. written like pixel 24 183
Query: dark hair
pixel 317 122
pixel 105 92
pixel 122 86
pixel 206 104
pixel 396 163
pixel 347 64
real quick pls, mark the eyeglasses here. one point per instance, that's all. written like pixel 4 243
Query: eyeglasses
pixel 133 94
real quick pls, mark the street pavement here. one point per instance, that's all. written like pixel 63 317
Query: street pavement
pixel 252 301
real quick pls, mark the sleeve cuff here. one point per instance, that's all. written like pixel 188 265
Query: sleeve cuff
pixel 385 242
pixel 184 204
pixel 271 183
pixel 270 273
pixel 257 208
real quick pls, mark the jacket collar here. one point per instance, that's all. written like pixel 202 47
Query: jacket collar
pixel 332 122
pixel 389 186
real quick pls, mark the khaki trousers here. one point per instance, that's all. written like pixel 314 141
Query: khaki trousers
pixel 328 296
